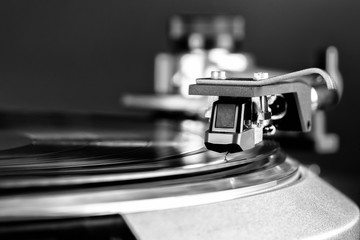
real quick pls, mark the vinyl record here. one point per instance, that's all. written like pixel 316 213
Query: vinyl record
pixel 133 152
pixel 56 167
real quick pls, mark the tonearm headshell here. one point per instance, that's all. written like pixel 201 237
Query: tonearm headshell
pixel 250 109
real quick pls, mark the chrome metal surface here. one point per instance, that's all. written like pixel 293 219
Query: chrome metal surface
pixel 232 184
pixel 261 76
pixel 307 209
pixel 293 76
pixel 218 75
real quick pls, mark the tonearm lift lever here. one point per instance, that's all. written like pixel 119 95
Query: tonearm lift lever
pixel 248 109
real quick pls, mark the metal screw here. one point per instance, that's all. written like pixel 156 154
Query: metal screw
pixel 218 75
pixel 261 76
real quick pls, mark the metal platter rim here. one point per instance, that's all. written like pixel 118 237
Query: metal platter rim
pixel 216 165
pixel 105 202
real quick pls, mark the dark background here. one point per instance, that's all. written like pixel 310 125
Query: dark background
pixel 81 55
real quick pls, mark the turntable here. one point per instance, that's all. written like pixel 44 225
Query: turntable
pixel 171 176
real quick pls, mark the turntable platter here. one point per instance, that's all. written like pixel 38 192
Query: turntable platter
pixel 123 153
pixel 88 165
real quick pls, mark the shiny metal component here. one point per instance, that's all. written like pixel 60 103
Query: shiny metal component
pixel 261 76
pixel 261 103
pixel 278 106
pixel 309 209
pixel 325 142
pixel 269 130
pixel 288 77
pixel 218 75
pixel 243 110
pixel 332 67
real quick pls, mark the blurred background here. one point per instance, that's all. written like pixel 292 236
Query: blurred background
pixel 80 56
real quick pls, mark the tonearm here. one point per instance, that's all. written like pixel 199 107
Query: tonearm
pixel 248 109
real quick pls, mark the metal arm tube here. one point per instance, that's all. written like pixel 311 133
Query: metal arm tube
pixel 289 77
